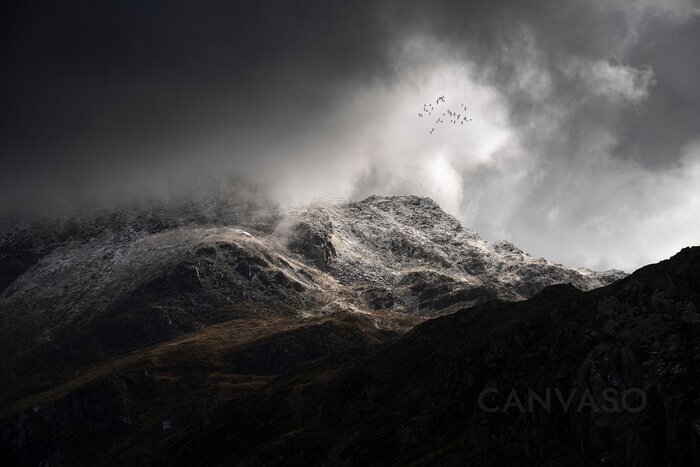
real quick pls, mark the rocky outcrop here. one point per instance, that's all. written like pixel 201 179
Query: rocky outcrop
pixel 312 240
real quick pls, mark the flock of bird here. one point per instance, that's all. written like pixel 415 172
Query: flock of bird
pixel 453 116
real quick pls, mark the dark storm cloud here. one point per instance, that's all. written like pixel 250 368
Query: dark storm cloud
pixel 107 84
pixel 672 118
pixel 85 81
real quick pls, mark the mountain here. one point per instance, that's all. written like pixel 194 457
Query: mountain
pixel 88 288
pixel 343 333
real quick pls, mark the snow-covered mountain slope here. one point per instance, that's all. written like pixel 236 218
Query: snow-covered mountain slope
pixel 405 252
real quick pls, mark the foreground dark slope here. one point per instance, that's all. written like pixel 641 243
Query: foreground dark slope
pixel 411 400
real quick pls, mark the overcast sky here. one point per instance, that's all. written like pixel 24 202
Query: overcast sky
pixel 584 146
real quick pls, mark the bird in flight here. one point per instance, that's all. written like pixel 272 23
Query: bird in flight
pixel 455 117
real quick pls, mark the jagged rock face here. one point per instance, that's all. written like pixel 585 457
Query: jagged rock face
pixel 410 249
pixel 313 242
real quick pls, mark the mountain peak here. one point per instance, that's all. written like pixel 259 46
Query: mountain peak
pixel 409 249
